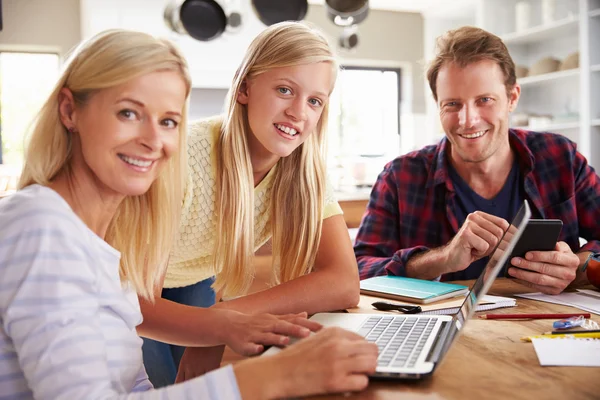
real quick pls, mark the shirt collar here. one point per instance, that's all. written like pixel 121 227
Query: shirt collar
pixel 439 173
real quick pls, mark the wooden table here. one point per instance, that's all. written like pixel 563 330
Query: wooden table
pixel 489 361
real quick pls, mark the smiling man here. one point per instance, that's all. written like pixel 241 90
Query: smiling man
pixel 440 211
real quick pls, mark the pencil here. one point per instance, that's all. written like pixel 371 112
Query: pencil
pixel 533 316
pixel 567 332
pixel 573 335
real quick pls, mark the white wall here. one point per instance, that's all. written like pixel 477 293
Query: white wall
pixel 206 102
pixel 384 36
pixel 40 25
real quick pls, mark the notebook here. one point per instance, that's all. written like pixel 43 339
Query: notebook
pixel 568 351
pixel 488 303
pixel 410 289
pixel 448 306
pixel 586 300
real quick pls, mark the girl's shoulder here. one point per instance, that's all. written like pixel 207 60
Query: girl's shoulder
pixel 207 128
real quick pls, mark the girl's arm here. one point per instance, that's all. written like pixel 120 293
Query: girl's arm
pixel 170 322
pixel 179 324
pixel 333 284
pixel 173 323
pixel 182 325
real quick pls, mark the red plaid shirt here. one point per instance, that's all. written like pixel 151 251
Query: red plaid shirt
pixel 412 205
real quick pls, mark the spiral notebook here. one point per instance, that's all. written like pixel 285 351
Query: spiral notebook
pixel 487 303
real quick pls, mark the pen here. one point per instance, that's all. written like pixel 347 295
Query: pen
pixel 532 316
pixel 566 335
pixel 406 309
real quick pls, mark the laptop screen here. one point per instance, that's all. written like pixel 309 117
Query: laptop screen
pixel 487 277
pixel 497 260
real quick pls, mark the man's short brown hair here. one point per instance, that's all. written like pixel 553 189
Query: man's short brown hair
pixel 467 45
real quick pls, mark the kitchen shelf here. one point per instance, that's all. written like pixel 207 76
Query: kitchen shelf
pixel 560 28
pixel 529 80
pixel 552 127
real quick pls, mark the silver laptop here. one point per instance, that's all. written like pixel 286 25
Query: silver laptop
pixel 412 346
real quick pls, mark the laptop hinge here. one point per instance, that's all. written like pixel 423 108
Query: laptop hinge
pixel 440 342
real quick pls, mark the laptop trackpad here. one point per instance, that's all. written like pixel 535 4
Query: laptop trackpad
pixel 351 322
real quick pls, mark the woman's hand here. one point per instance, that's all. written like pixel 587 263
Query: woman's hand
pixel 331 361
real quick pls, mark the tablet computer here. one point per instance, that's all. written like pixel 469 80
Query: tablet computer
pixel 539 235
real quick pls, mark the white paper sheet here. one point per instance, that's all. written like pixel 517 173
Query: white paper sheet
pixel 595 293
pixel 568 351
pixel 582 300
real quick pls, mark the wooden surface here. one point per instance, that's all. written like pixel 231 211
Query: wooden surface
pixel 488 361
pixel 353 211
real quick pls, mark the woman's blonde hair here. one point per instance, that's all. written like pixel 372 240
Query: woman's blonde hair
pixel 144 226
pixel 298 191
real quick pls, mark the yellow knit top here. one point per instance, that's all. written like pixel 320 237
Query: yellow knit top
pixel 191 257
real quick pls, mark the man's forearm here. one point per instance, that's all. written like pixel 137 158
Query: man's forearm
pixel 428 264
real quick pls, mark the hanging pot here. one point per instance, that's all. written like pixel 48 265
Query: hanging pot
pixel 347 12
pixel 270 12
pixel 201 19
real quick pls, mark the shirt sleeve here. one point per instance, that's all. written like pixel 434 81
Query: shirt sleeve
pixel 50 310
pixel 220 384
pixel 378 239
pixel 332 207
pixel 587 196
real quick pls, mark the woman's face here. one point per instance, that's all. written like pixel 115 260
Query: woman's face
pixel 284 106
pixel 126 134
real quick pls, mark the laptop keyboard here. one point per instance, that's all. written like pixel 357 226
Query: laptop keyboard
pixel 400 339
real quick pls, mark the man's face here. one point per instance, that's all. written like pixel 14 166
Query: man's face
pixel 474 109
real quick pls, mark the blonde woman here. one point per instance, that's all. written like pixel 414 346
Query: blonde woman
pixel 257 173
pixel 92 224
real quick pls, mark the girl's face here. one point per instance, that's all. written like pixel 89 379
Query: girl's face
pixel 127 133
pixel 284 106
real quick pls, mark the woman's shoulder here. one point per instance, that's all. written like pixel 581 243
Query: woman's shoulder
pixel 35 206
pixel 38 217
pixel 31 198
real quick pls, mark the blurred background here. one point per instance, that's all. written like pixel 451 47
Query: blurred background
pixel 381 107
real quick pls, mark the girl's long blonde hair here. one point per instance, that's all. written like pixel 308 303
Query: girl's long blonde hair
pixel 143 227
pixel 298 191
